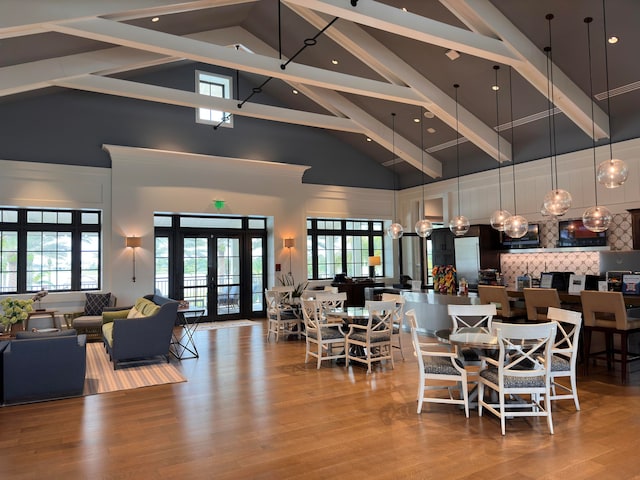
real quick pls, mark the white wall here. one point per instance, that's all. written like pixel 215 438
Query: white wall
pixel 479 194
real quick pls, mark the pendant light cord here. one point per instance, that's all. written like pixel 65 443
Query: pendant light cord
pixel 455 85
pixel 393 152
pixel 422 157
pixel 588 21
pixel 496 68
pixel 513 145
pixel 606 69
pixel 552 116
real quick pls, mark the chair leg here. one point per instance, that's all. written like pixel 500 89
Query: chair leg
pixel 574 391
pixel 400 343
pixel 623 356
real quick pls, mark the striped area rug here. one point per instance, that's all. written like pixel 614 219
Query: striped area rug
pixel 102 378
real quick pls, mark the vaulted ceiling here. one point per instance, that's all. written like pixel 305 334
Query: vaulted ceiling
pixel 356 63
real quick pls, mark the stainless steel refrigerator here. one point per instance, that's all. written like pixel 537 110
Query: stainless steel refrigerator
pixel 467 252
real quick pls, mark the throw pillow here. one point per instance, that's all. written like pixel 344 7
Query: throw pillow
pixel 135 313
pixel 96 302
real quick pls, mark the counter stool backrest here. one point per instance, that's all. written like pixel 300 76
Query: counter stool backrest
pixel 604 309
pixel 538 301
pixel 496 295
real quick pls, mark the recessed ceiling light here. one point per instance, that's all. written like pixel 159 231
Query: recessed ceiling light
pixel 495 88
pixel 295 92
pixel 369 140
pixel 612 39
pixel 155 19
pixel 417 120
pixel 404 9
pixel 431 130
pixel 334 61
pixel 428 114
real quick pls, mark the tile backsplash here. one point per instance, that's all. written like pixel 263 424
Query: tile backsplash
pixel 512 265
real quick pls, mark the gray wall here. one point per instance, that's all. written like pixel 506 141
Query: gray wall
pixel 70 127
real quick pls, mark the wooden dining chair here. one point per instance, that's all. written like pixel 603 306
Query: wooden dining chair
pixel 438 368
pixel 498 296
pixel 538 300
pixel 606 312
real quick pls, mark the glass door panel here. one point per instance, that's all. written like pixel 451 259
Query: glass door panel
pixel 228 290
pixel 196 271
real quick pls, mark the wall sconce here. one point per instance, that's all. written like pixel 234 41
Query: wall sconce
pixel 133 242
pixel 289 243
pixel 374 261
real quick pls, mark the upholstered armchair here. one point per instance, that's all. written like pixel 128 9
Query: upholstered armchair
pixel 89 321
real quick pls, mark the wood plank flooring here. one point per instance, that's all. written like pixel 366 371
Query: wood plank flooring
pixel 254 410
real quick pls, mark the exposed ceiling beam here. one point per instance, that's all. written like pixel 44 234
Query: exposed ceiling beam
pixel 153 93
pixel 389 65
pixel 482 16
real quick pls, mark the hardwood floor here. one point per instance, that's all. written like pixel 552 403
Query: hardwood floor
pixel 253 409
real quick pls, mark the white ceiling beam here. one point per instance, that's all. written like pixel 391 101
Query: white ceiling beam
pixel 170 96
pixel 482 16
pixel 389 65
pixel 416 27
pixel 175 46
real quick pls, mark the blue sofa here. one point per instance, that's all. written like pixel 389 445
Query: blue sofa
pixel 43 366
pixel 147 336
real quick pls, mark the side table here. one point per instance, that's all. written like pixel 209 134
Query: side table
pixel 41 313
pixel 188 320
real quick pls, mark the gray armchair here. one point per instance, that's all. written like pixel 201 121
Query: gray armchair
pixel 146 337
pixel 43 366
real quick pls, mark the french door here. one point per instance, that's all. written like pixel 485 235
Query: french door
pixel 223 273
pixel 214 262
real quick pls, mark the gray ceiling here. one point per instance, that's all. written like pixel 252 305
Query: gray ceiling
pixel 389 61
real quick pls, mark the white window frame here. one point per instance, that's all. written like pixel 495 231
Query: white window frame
pixel 226 83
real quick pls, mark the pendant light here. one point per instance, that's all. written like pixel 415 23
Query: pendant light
pixel 596 218
pixel 611 173
pixel 460 224
pixel 557 201
pixel 516 225
pixel 423 227
pixel 499 216
pixel 395 230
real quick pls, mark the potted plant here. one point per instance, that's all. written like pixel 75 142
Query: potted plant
pixel 14 311
pixel 288 281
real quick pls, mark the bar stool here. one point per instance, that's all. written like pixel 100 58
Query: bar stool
pixel 605 312
pixel 497 295
pixel 538 301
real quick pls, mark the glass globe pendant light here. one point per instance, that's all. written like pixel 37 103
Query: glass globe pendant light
pixel 395 230
pixel 611 173
pixel 423 227
pixel 499 216
pixel 557 201
pixel 597 218
pixel 516 226
pixel 458 225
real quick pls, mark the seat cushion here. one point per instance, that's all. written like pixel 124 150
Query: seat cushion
pixel 87 321
pixel 491 374
pixel 560 364
pixel 96 303
pixel 328 333
pixel 440 366
pixel 374 338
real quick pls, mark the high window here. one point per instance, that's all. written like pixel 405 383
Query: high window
pixel 214 85
pixel 343 246
pixel 55 250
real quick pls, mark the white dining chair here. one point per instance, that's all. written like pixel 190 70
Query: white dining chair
pixel 565 353
pixel 438 368
pixel 398 320
pixel 521 369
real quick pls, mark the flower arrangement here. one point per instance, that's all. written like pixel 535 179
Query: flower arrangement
pixel 445 279
pixel 14 311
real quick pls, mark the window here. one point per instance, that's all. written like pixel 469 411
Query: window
pixel 55 250
pixel 214 85
pixel 343 246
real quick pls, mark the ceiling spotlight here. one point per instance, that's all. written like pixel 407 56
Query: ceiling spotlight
pixel 495 88
pixel 155 19
pixel 416 120
pixel 431 130
pixel 452 54
pixel 295 92
pixel 369 139
pixel 613 39
pixel 334 61
pixel 428 114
